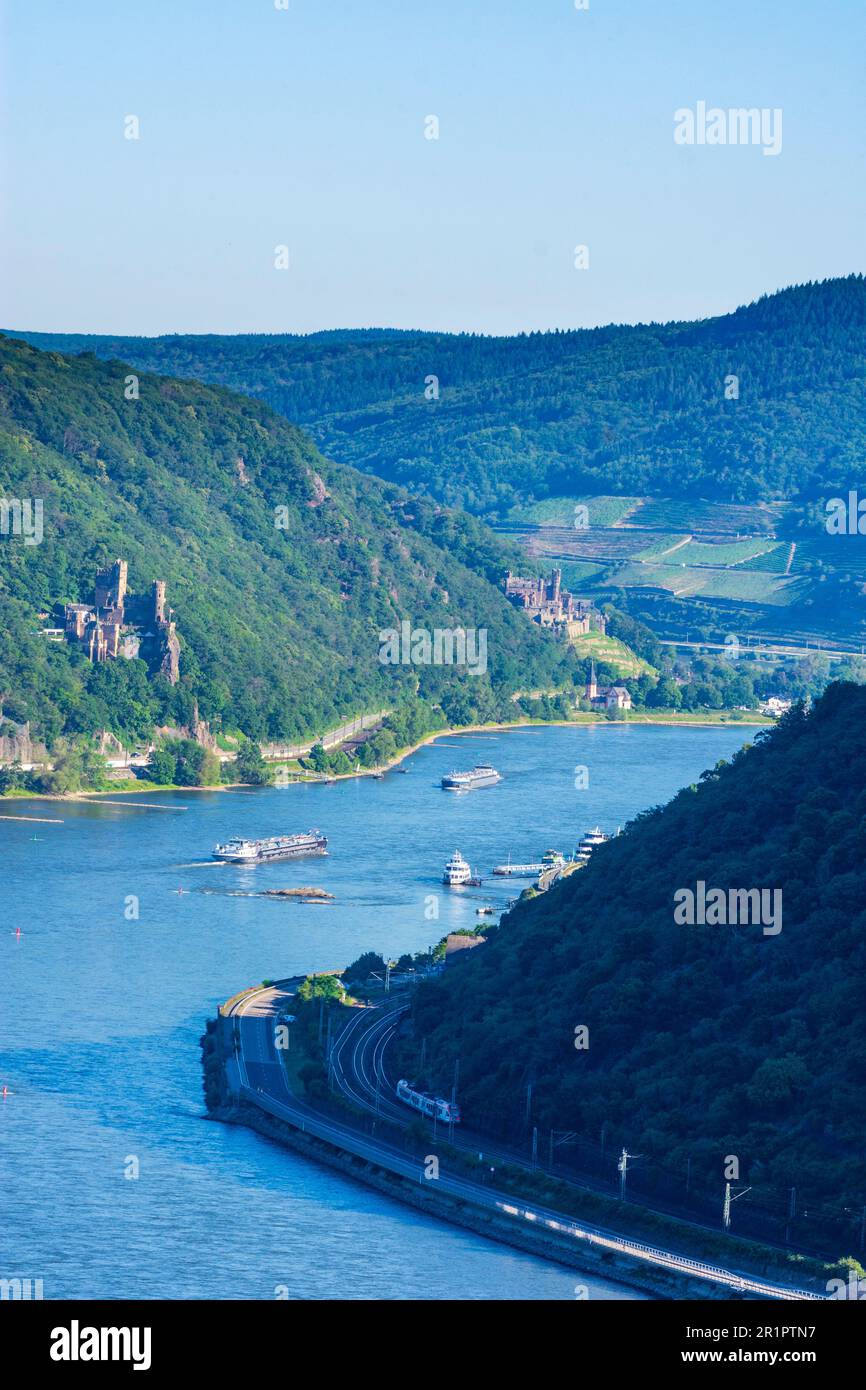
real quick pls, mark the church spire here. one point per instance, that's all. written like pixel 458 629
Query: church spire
pixel 591 687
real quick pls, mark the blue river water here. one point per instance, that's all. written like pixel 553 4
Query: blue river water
pixel 102 1012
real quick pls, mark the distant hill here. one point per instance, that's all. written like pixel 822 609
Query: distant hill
pixel 624 410
pixel 706 1040
pixel 281 566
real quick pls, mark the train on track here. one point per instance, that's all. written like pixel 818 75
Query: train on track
pixel 428 1105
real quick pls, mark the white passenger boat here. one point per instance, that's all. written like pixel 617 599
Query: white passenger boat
pixel 457 871
pixel 591 840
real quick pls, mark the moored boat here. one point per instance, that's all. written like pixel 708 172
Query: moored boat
pixel 552 859
pixel 591 840
pixel 457 871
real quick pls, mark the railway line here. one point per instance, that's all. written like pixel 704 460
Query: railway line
pixel 358 1070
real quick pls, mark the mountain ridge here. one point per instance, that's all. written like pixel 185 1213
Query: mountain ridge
pixel 704 1041
pixel 620 408
pixel 283 567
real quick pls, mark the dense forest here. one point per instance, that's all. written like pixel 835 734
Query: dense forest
pixel 704 1041
pixel 282 567
pixel 764 402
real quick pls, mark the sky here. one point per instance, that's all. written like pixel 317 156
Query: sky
pixel 306 127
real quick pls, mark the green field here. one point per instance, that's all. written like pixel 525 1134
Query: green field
pixel 680 581
pixel 724 554
pixel 846 553
pixel 772 561
pixel 577 572
pixel 615 653
pixel 655 513
pixel 661 544
pixel 751 586
pixel 684 581
pixel 560 511
pixel 610 544
pixel 726 518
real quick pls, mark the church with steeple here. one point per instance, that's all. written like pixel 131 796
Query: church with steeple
pixel 606 697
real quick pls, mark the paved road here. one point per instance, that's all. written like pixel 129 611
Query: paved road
pixel 358 1068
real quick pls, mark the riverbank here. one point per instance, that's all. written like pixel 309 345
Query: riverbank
pixel 581 719
pixel 516 1212
pixel 336 1147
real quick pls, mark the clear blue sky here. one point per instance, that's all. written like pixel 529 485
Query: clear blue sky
pixel 305 127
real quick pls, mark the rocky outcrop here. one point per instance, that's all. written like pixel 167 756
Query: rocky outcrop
pixel 16 744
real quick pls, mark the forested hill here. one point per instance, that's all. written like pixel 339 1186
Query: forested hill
pixel 282 567
pixel 703 1041
pixel 631 410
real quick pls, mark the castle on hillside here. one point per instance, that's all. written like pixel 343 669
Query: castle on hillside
pixel 546 602
pixel 608 697
pixel 120 624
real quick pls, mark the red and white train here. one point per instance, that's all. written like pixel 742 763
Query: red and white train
pixel 428 1105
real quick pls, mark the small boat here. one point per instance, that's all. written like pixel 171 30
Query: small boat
pixel 482 775
pixel 457 871
pixel 552 859
pixel 485 912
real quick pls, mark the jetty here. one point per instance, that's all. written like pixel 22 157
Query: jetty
pixel 37 820
pixel 510 870
pixel 132 805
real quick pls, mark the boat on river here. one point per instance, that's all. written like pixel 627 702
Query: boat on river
pixel 482 775
pixel 241 851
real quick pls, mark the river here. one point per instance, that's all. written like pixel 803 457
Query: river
pixel 102 1012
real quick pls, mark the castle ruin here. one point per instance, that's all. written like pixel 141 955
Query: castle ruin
pixel 120 624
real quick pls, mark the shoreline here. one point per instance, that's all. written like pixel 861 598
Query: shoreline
pixel 603 1251
pixel 590 721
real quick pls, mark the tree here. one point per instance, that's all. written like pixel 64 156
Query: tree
pixel 209 772
pixel 195 766
pixel 162 767
pixel 321 987
pixel 317 759
pixel 190 760
pixel 250 766
pixel 666 695
pixel 367 964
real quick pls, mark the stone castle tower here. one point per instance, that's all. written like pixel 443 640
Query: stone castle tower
pixel 110 587
pixel 159 600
